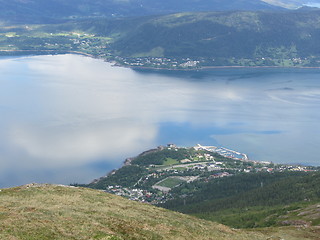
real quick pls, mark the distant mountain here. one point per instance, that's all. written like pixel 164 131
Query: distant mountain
pixel 52 10
pixel 293 4
pixel 240 35
pixel 182 40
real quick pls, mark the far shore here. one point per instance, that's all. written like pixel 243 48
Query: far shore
pixel 216 67
pixel 53 52
pixel 57 52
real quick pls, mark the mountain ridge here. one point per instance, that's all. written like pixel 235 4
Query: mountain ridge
pixel 40 11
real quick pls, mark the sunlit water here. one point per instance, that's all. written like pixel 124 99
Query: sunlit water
pixel 71 118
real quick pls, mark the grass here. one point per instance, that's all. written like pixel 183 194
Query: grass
pixel 59 212
pixel 180 168
pixel 170 161
pixel 170 182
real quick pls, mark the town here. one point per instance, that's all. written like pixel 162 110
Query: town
pixel 167 168
pixel 185 63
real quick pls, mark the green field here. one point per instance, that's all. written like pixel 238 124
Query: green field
pixel 170 161
pixel 180 168
pixel 170 182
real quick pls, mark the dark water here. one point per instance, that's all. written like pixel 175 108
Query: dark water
pixel 70 118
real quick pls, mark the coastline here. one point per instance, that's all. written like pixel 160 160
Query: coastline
pixel 45 52
pixel 117 64
pixel 217 67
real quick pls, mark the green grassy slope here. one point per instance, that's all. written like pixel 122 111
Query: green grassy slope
pixel 59 212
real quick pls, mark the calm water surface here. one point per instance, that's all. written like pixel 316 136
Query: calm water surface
pixel 71 118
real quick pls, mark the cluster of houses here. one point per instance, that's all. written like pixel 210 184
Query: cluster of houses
pixel 139 195
pixel 158 62
pixel 131 193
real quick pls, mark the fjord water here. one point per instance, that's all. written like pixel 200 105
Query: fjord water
pixel 70 118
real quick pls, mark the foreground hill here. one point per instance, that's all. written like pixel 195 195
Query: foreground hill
pixel 59 212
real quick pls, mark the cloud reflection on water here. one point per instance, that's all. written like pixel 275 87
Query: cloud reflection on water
pixel 68 112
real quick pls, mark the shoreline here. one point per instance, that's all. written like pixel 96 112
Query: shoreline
pixel 217 67
pixel 53 52
pixel 116 64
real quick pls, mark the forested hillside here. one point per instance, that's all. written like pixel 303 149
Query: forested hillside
pixel 260 36
pixel 249 200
